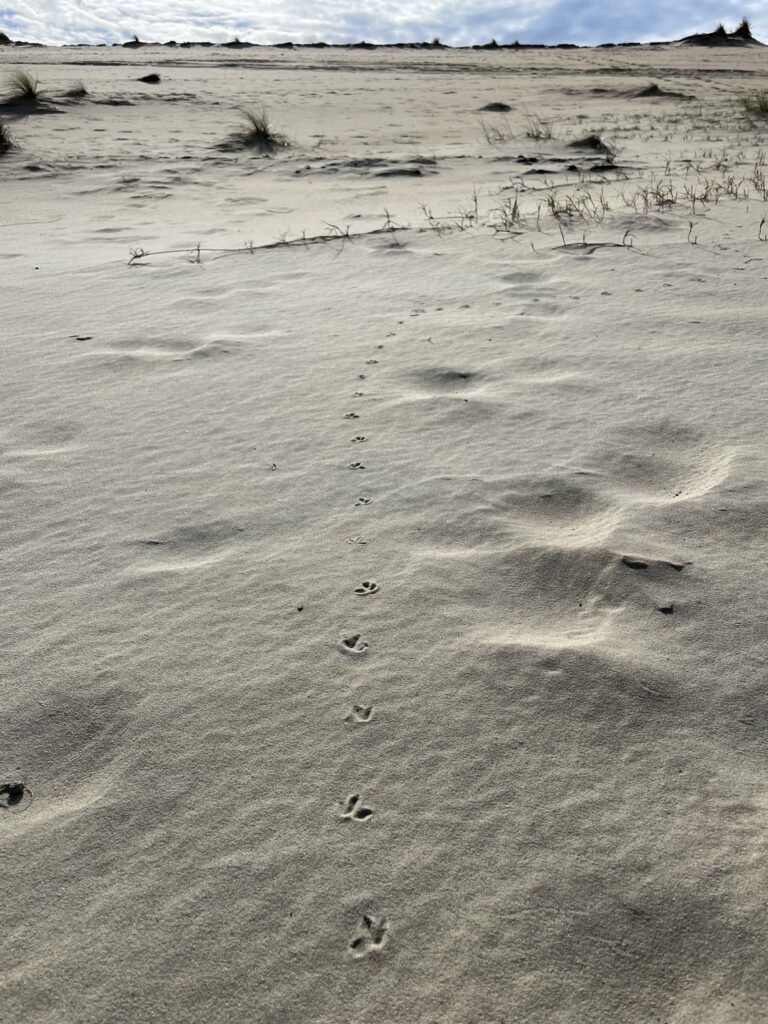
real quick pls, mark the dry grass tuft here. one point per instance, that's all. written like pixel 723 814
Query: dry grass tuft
pixel 76 91
pixel 537 128
pixel 22 87
pixel 756 103
pixel 6 141
pixel 257 132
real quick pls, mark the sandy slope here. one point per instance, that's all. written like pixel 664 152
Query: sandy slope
pixel 551 708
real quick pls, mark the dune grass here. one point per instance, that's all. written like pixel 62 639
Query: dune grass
pixel 257 131
pixel 21 87
pixel 537 128
pixel 756 103
pixel 6 141
pixel 76 91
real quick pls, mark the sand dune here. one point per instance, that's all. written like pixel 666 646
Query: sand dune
pixel 383 539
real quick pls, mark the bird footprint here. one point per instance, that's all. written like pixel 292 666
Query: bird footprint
pixel 351 416
pixel 363 501
pixel 353 809
pixel 372 934
pixel 360 714
pixel 356 540
pixel 356 465
pixel 359 439
pixel 354 644
pixel 367 587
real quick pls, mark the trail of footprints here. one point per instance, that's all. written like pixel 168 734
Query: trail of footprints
pixel 371 933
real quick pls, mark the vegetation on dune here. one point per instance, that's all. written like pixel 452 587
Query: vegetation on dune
pixel 6 142
pixel 21 87
pixel 756 103
pixel 257 131
pixel 76 91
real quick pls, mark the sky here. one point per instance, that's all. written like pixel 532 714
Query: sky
pixel 456 22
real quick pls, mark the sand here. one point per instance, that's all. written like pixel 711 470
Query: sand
pixel 384 617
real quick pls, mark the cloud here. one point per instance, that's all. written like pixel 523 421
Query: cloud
pixel 457 22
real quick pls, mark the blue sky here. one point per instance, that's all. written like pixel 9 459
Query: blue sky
pixel 457 22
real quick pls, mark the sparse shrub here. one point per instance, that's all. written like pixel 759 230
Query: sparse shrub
pixel 756 103
pixel 6 142
pixel 76 91
pixel 744 31
pixel 21 87
pixel 257 131
pixel 537 128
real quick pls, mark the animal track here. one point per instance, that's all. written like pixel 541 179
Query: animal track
pixel 363 501
pixel 358 394
pixel 372 936
pixel 354 810
pixel 639 563
pixel 351 416
pixel 360 714
pixel 359 439
pixel 354 644
pixel 356 540
pixel 14 796
pixel 367 587
pixel 371 362
pixel 356 465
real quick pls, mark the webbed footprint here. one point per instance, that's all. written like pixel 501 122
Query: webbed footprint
pixel 367 587
pixel 372 934
pixel 354 810
pixel 354 644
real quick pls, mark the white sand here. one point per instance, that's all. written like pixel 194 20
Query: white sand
pixel 568 785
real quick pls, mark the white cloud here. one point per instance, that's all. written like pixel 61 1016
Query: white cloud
pixel 459 22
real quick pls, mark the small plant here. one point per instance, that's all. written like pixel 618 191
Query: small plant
pixel 496 134
pixel 21 88
pixel 6 141
pixel 257 131
pixel 756 103
pixel 537 128
pixel 744 31
pixel 76 91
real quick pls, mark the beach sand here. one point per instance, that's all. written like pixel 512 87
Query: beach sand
pixel 384 617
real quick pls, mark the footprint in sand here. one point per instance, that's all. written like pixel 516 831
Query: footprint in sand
pixel 351 416
pixel 358 394
pixel 14 796
pixel 363 501
pixel 371 362
pixel 356 540
pixel 359 439
pixel 367 587
pixel 354 644
pixel 356 465
pixel 640 563
pixel 372 934
pixel 353 809
pixel 360 714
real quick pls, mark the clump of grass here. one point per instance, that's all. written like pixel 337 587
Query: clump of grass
pixel 744 31
pixel 6 141
pixel 257 131
pixel 537 128
pixel 756 103
pixel 76 91
pixel 22 87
